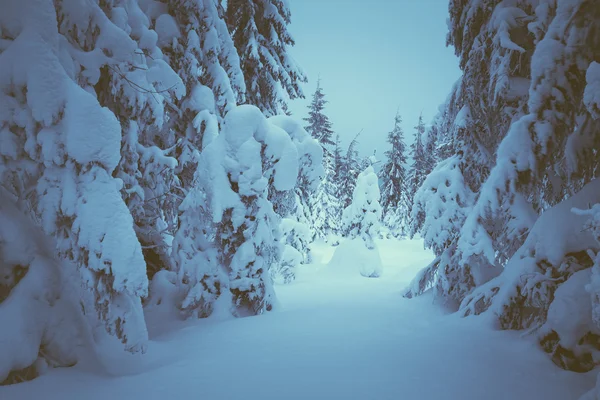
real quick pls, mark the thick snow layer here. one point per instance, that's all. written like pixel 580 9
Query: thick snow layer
pixel 352 257
pixel 350 339
pixel 167 29
pixel 559 231
pixel 591 97
pixel 570 314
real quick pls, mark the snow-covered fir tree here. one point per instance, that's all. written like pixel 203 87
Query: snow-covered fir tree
pixel 431 148
pixel 296 251
pixel 472 126
pixel 60 149
pixel 111 105
pixel 195 40
pixel 338 160
pixel 261 37
pixel 231 258
pixel 347 173
pixel 395 186
pixel 521 255
pixel 288 205
pixel 194 36
pixel 418 168
pixel 319 125
pixel 137 90
pixel 362 218
pixel 324 208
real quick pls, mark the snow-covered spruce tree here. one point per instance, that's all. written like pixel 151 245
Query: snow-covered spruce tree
pixel 231 257
pixel 195 41
pixel 431 147
pixel 498 73
pixel 568 125
pixel 361 219
pixel 347 172
pixel 494 49
pixel 194 36
pixel 324 207
pixel 319 125
pixel 59 151
pixel 441 205
pixel 136 87
pixel 338 160
pixel 295 239
pixel 394 194
pixel 261 37
pixel 542 159
pixel 440 208
pixel 287 204
pixel 418 168
pixel 590 317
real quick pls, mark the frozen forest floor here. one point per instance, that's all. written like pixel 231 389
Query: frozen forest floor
pixel 333 338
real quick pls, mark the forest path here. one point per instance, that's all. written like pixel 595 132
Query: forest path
pixel 333 338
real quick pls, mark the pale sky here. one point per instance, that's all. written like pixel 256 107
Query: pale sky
pixel 373 57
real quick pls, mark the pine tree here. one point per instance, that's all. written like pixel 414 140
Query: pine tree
pixel 431 149
pixel 418 167
pixel 526 153
pixel 197 44
pixel 324 206
pixel 146 167
pixel 395 186
pixel 319 125
pixel 260 35
pixel 60 149
pixel 231 257
pixel 337 162
pixel 288 204
pixel 536 170
pixel 348 171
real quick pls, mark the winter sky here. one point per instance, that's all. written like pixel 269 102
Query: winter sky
pixel 373 58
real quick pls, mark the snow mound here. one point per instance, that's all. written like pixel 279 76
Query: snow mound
pixel 351 256
pixel 571 303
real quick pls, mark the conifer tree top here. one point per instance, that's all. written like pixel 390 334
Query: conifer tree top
pixel 319 125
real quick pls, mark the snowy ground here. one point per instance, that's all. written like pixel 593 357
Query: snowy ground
pixel 334 338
